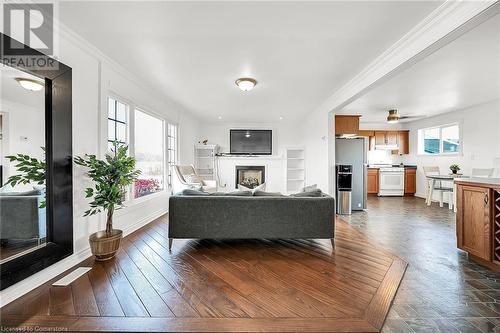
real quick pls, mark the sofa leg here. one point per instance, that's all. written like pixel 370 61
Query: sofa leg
pixel 170 241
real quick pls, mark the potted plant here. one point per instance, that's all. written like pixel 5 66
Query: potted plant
pixel 32 171
pixel 454 168
pixel 111 177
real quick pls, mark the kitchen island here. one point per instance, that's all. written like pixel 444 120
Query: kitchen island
pixel 478 219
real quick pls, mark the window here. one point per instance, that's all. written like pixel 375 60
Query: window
pixel 172 150
pixel 149 152
pixel 439 140
pixel 117 121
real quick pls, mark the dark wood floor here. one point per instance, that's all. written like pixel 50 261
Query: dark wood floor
pixel 207 285
pixel 442 291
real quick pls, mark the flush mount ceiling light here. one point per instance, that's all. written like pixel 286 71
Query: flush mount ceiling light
pixel 393 117
pixel 29 84
pixel 246 83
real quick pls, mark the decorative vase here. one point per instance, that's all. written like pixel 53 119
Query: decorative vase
pixel 105 246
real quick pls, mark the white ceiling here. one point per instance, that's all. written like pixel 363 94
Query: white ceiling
pixel 300 52
pixel 11 91
pixel 464 73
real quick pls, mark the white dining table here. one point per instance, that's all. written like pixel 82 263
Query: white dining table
pixel 432 179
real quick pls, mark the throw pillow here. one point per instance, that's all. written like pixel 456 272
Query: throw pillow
pixel 193 179
pixel 309 188
pixel 314 193
pixel 261 187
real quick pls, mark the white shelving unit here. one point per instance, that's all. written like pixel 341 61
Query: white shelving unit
pixel 204 161
pixel 295 169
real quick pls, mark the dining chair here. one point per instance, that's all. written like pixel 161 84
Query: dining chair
pixel 482 172
pixel 436 185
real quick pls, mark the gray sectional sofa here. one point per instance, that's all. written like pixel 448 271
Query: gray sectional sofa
pixel 240 217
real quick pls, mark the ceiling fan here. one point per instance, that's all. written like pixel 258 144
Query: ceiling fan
pixel 394 117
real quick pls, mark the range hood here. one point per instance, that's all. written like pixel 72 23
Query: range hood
pixel 386 147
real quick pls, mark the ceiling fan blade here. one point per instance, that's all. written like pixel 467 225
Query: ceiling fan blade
pixel 411 117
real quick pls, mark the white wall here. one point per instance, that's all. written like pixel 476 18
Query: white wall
pixel 23 132
pixel 480 141
pixel 94 75
pixel 318 139
pixel 285 134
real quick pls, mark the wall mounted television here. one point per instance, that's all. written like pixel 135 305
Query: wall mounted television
pixel 250 142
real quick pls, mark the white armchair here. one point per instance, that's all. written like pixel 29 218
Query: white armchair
pixel 185 177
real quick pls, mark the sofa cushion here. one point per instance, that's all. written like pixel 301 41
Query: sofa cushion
pixel 188 192
pixel 313 193
pixel 267 194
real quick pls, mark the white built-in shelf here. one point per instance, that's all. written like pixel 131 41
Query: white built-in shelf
pixel 295 169
pixel 205 163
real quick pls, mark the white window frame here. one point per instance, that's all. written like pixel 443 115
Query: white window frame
pixel 420 137
pixel 176 150
pixel 131 107
pixel 127 119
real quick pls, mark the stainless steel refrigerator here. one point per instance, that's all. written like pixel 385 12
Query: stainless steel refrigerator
pixel 353 151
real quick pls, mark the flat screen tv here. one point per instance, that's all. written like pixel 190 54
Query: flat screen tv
pixel 251 142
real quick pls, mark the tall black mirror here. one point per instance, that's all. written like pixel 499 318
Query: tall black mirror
pixel 36 215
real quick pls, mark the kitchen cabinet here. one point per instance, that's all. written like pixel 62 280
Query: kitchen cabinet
pixel 403 142
pixel 386 137
pixel 372 181
pixel 380 138
pixel 346 124
pixel 475 220
pixel 410 181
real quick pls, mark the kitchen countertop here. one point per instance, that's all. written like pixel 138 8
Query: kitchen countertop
pixel 406 166
pixel 494 182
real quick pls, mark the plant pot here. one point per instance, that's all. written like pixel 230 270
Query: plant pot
pixel 454 172
pixel 104 246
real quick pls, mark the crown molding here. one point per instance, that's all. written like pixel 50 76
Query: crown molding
pixel 446 23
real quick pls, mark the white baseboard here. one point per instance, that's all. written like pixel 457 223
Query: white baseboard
pixel 19 289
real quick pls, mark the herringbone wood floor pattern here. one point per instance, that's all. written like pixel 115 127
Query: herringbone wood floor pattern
pixel 229 285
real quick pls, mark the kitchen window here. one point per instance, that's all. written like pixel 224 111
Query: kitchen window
pixel 440 140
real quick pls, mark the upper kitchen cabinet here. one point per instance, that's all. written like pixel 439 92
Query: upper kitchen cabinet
pixel 386 138
pixel 404 142
pixel 345 124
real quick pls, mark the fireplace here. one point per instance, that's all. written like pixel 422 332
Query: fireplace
pixel 250 176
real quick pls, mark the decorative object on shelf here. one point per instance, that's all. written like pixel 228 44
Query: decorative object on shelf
pixel 454 168
pixel 111 177
pixel 205 142
pixel 32 170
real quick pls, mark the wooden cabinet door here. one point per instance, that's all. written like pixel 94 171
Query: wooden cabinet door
pixel 404 142
pixel 410 181
pixel 372 186
pixel 380 138
pixel 391 138
pixel 346 124
pixel 473 221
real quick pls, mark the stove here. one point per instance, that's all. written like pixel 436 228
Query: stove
pixel 391 181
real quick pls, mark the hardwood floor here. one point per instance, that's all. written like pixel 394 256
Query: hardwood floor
pixel 226 286
pixel 442 291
